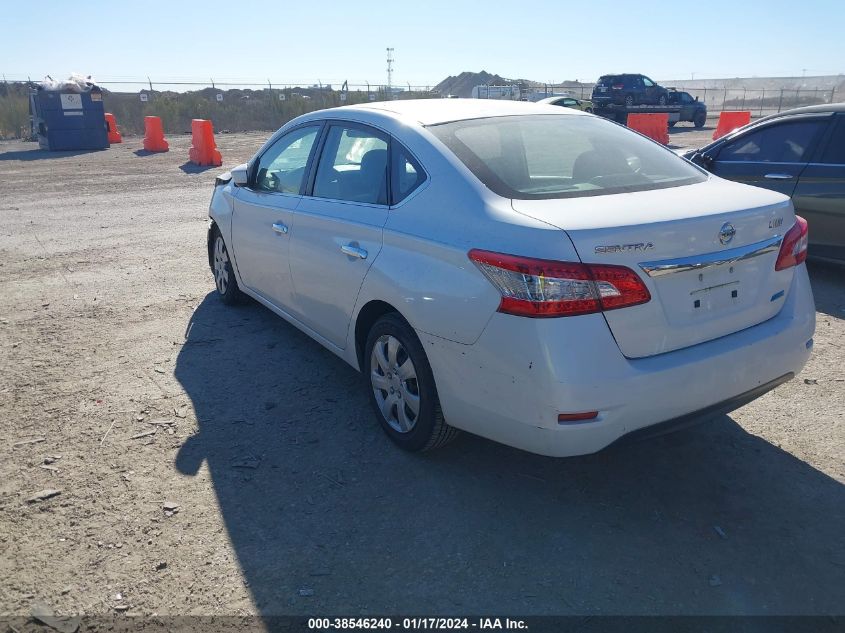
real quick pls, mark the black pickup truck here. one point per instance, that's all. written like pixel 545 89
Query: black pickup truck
pixel 680 106
pixel 691 109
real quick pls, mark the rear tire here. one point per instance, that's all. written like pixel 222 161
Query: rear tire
pixel 224 274
pixel 629 101
pixel 401 387
pixel 661 101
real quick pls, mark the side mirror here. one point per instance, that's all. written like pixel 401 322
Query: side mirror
pixel 696 98
pixel 240 175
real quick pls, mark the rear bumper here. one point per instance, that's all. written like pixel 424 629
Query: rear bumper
pixel 703 415
pixel 513 382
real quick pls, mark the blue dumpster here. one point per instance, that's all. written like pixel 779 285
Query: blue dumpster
pixel 69 120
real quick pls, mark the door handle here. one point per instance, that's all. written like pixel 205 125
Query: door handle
pixel 353 251
pixel 279 227
pixel 778 176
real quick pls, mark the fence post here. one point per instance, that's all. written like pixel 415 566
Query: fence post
pixel 780 100
pixel 762 97
pixel 744 90
pixel 705 95
pixel 832 92
pixel 724 98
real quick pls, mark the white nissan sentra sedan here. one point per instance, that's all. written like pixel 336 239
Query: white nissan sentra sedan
pixel 535 275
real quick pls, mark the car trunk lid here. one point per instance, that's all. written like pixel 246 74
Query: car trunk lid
pixel 706 252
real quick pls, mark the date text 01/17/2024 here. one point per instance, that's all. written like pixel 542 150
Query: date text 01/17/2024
pixel 416 623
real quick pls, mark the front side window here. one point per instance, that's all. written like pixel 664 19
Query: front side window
pixel 648 82
pixel 548 156
pixel 282 167
pixel 779 143
pixel 353 166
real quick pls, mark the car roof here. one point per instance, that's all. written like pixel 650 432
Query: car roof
pixel 828 108
pixel 434 111
pixel 814 109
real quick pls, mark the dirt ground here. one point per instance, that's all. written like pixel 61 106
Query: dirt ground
pixel 216 461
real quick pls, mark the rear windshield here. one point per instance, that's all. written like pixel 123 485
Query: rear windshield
pixel 547 156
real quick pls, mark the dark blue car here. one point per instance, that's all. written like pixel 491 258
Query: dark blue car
pixel 628 89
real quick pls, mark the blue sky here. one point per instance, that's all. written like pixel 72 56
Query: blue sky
pixel 304 42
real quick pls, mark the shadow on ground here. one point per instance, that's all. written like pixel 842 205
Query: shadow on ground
pixel 326 516
pixel 191 168
pixel 828 281
pixel 686 128
pixel 41 154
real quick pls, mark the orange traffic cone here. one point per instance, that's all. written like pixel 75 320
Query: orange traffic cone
pixel 154 135
pixel 729 121
pixel 114 133
pixel 654 126
pixel 203 148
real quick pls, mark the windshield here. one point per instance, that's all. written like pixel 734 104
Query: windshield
pixel 548 156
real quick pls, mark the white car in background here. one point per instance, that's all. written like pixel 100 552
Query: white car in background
pixel 528 273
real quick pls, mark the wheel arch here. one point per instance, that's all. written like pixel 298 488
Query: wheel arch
pixel 213 230
pixel 371 312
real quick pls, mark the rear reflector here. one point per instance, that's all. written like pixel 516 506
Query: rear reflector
pixel 793 251
pixel 546 288
pixel 563 418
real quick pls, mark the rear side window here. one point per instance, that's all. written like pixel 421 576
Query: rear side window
pixel 834 153
pixel 353 166
pixel 406 174
pixel 548 156
pixel 779 143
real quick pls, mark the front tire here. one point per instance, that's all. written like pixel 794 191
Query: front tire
pixel 224 274
pixel 401 387
pixel 699 120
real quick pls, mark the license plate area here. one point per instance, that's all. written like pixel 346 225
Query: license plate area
pixel 713 293
pixel 718 298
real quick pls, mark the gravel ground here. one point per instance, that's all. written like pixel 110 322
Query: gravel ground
pixel 217 461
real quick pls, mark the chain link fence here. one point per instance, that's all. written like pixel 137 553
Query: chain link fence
pixel 233 107
pixel 759 101
pixel 242 106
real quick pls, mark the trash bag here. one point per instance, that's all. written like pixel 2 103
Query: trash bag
pixel 75 83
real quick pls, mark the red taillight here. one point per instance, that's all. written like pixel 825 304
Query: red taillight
pixel 793 250
pixel 546 288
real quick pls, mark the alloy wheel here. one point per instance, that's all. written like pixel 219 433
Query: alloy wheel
pixel 221 262
pixel 394 381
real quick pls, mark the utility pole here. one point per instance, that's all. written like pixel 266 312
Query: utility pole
pixel 389 70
